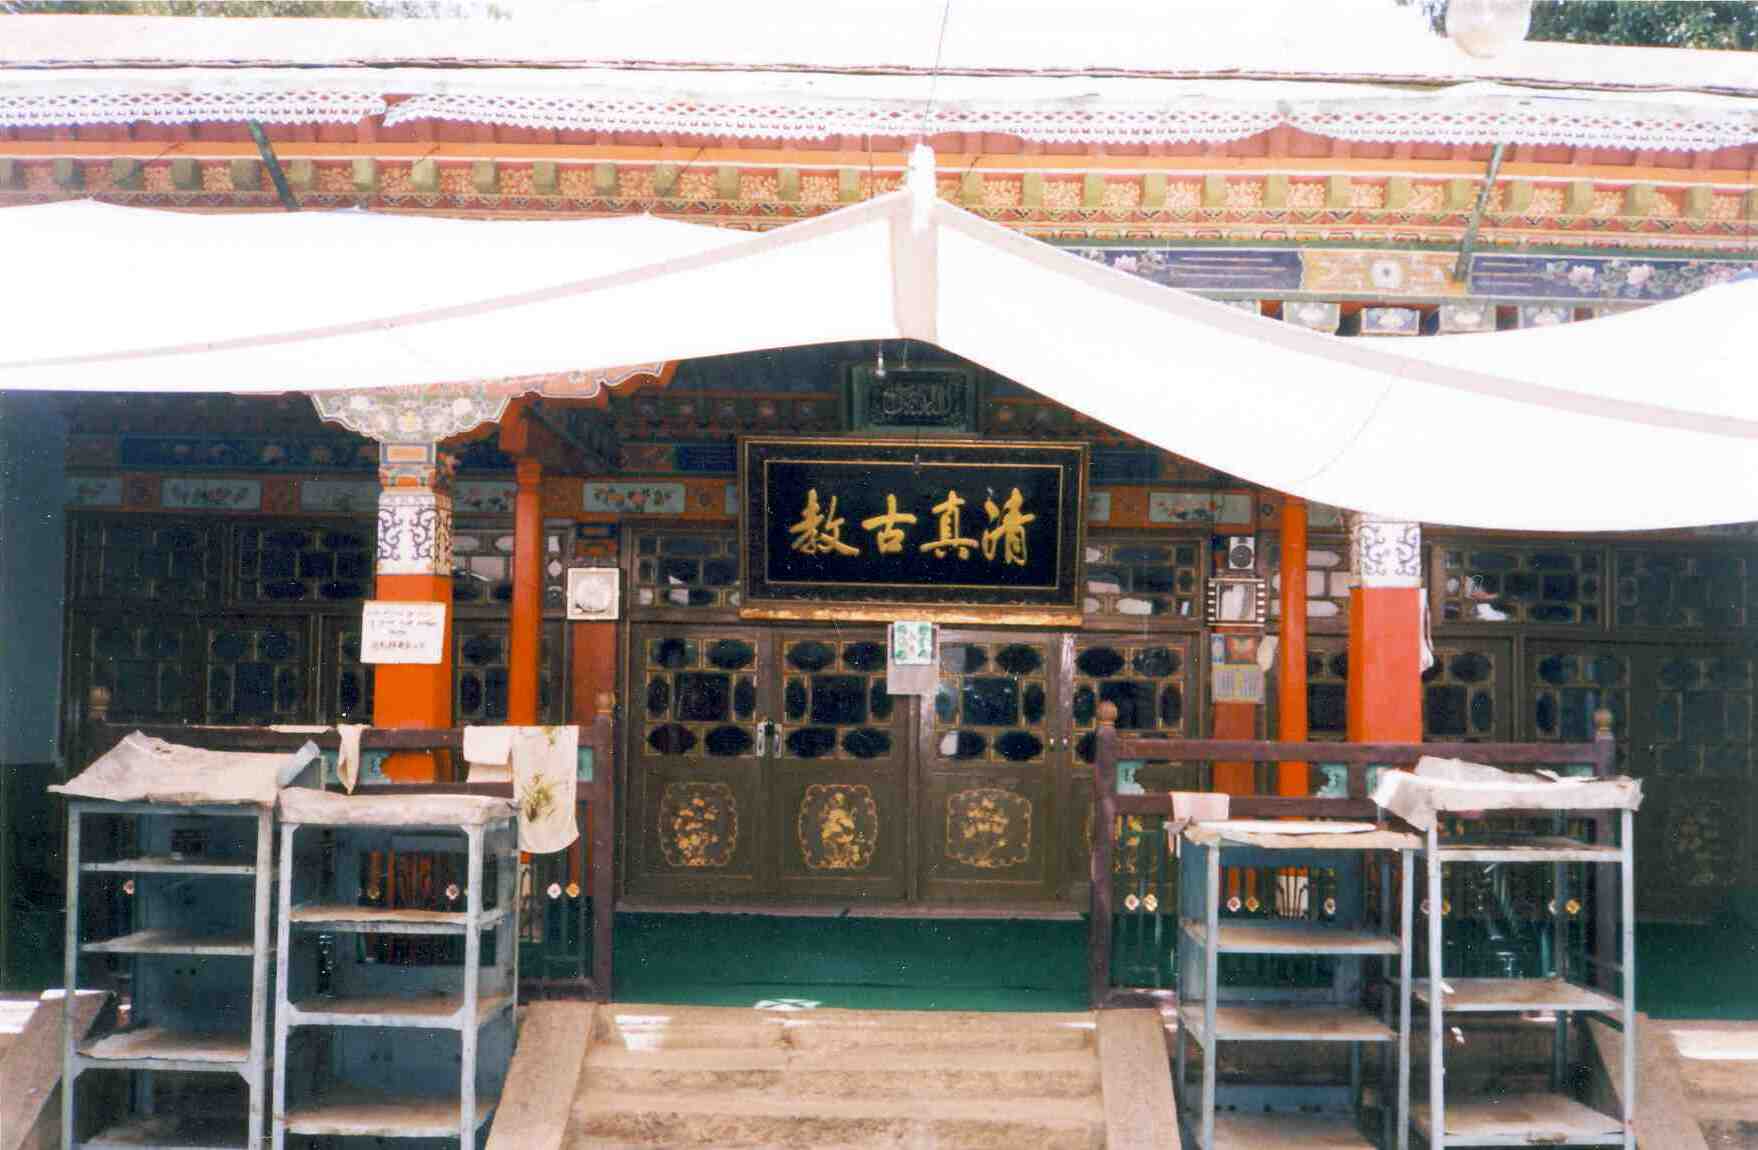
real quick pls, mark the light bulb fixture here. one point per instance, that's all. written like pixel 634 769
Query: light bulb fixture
pixel 879 363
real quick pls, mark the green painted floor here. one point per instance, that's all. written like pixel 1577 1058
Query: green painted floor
pixel 854 963
pixel 1688 971
pixel 1706 971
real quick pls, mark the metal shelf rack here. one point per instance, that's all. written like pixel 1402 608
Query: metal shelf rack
pixel 1551 1118
pixel 357 972
pixel 1315 897
pixel 195 880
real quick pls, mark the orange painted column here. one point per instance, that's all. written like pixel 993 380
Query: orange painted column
pixel 1291 778
pixel 525 631
pixel 1385 631
pixel 414 566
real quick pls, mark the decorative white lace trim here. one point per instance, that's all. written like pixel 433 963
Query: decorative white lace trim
pixel 1445 119
pixel 1659 130
pixel 53 109
pixel 1211 122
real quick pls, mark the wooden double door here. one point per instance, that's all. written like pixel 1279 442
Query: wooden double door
pixel 771 765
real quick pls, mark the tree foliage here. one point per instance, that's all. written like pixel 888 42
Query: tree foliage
pixel 1724 24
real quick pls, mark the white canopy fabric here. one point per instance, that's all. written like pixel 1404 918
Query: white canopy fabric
pixel 1631 422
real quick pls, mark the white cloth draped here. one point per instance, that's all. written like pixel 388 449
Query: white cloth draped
pixel 1636 421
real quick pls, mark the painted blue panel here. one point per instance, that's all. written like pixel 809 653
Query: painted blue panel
pixel 707 458
pixel 1124 465
pixel 1204 269
pixel 1596 278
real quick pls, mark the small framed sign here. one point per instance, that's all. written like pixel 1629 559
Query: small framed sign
pixel 402 632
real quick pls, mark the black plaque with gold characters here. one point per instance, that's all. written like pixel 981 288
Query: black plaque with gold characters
pixel 880 529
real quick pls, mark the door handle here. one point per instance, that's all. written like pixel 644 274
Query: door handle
pixel 762 737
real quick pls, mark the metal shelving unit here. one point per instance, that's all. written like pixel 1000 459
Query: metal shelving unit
pixel 195 881
pixel 1554 1118
pixel 356 972
pixel 1314 908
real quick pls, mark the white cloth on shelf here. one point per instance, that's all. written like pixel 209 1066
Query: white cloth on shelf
pixel 348 754
pixel 490 746
pixel 542 764
pixel 545 762
pixel 144 769
pixel 1454 785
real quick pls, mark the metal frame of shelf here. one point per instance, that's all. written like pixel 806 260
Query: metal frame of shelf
pixel 417 998
pixel 149 1049
pixel 1554 1119
pixel 1328 1014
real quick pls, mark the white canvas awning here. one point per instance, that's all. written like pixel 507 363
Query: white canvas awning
pixel 1640 421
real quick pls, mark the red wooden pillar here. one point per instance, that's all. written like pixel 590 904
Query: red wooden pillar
pixel 1385 631
pixel 414 566
pixel 525 638
pixel 1291 778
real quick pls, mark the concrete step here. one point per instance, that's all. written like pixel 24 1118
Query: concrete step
pixel 811 1073
pixel 717 1028
pixel 605 1119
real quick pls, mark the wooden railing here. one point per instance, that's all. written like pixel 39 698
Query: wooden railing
pixel 573 950
pixel 1151 868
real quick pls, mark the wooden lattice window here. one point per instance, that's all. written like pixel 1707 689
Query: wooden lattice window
pixel 1144 578
pixel 304 563
pixel 697 570
pixel 257 671
pixel 1683 589
pixel 1147 681
pixel 146 666
pixel 834 704
pixel 699 696
pixel 1459 693
pixel 991 706
pixel 1702 714
pixel 480 677
pixel 1328 580
pixel 482 564
pixel 1552 585
pixel 144 560
pixel 1569 684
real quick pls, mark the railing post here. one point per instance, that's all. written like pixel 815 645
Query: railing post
pixel 1605 745
pixel 1606 886
pixel 604 822
pixel 1104 820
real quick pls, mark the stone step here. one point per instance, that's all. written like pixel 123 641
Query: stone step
pixel 603 1120
pixel 992 1073
pixel 685 1028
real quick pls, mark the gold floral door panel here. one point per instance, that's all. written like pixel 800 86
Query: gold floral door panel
pixel 697 780
pixel 839 765
pixel 992 746
pixel 1151 681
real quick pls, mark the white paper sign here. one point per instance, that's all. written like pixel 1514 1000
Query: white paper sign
pixel 402 632
pixel 913 663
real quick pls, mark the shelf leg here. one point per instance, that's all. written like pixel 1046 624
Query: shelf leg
pixel 283 938
pixel 259 969
pixel 1627 896
pixel 472 980
pixel 1559 1059
pixel 1211 980
pixel 1437 1098
pixel 70 980
pixel 1400 1104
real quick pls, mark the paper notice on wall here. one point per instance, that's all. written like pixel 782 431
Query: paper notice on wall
pixel 402 632
pixel 912 664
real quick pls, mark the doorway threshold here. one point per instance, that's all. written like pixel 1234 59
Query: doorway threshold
pixel 1036 911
